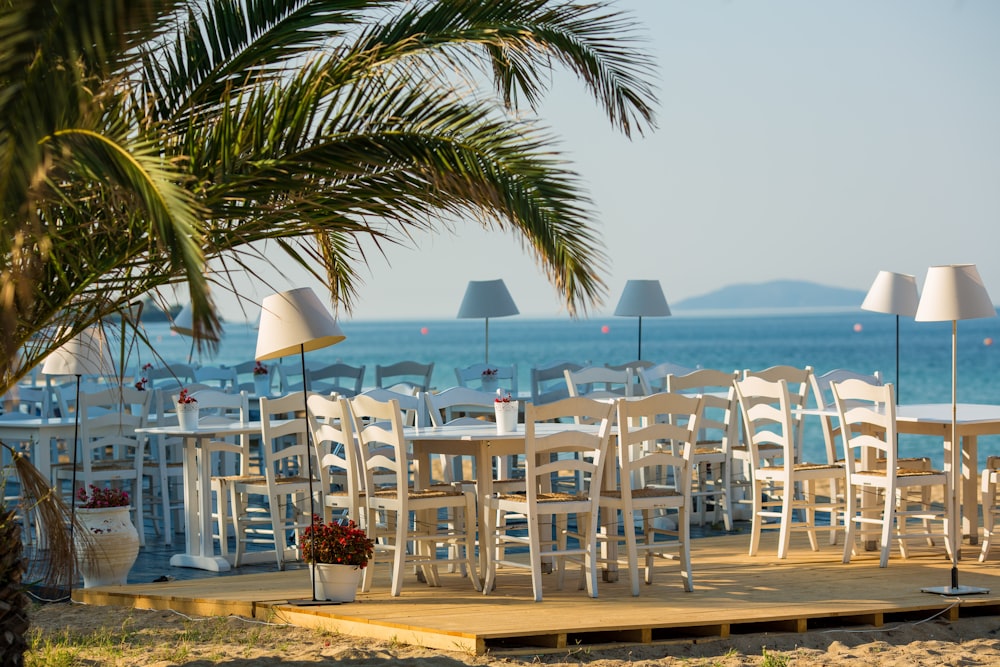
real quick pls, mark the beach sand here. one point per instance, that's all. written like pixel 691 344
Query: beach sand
pixel 117 636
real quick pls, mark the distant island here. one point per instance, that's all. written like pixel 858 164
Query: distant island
pixel 774 294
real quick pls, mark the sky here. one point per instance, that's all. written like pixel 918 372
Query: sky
pixel 821 141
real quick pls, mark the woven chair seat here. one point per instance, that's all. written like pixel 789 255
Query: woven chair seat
pixel 647 492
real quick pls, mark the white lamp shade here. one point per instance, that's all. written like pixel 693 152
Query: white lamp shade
pixel 954 292
pixel 184 323
pixel 893 293
pixel 84 354
pixel 642 298
pixel 487 298
pixel 294 321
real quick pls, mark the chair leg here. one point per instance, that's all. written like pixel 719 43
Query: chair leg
pixel 488 541
pixel 632 552
pixel 785 529
pixel 684 548
pixel 757 520
pixel 399 556
pixel 850 522
pixel 535 553
pixel 988 490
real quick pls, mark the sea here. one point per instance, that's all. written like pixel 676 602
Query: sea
pixel 852 339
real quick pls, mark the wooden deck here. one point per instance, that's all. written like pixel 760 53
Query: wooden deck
pixel 733 594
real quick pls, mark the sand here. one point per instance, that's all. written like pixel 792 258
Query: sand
pixel 116 636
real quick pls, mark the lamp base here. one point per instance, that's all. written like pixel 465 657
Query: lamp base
pixel 306 602
pixel 955 590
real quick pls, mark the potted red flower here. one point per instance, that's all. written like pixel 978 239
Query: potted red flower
pixel 506 410
pixel 187 410
pixel 337 553
pixel 108 543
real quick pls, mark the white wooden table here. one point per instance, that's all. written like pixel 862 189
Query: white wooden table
pixel 199 546
pixel 482 443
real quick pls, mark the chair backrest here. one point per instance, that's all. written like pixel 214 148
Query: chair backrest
pixel 635 366
pixel 867 415
pixel 221 404
pixel 381 444
pixel 798 381
pixel 246 379
pixel 548 381
pixel 599 382
pixel 578 447
pixel 285 444
pixel 338 378
pixel 333 437
pixel 174 375
pixel 823 395
pixel 767 417
pixel 719 421
pixel 225 379
pixel 654 378
pixel 457 403
pixel 497 377
pixel 413 404
pixel 657 433
pixel 23 401
pixel 108 419
pixel 413 373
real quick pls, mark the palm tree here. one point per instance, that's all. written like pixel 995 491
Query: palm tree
pixel 140 139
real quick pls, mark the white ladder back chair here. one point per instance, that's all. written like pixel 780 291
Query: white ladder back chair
pixel 654 433
pixel 789 485
pixel 277 510
pixel 599 382
pixel 340 473
pixel 411 514
pixel 636 366
pixel 868 421
pixel 653 379
pixel 799 384
pixel 823 395
pixel 411 402
pixel 458 405
pixel 712 460
pixel 548 381
pixel 414 373
pixel 545 456
pixel 338 378
pixel 224 379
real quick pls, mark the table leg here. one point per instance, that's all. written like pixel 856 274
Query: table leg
pixel 199 552
pixel 969 492
pixel 484 484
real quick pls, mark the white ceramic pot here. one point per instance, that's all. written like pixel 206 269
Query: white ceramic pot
pixel 490 383
pixel 506 414
pixel 262 385
pixel 187 415
pixel 336 583
pixel 109 547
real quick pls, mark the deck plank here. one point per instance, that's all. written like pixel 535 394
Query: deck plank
pixel 733 593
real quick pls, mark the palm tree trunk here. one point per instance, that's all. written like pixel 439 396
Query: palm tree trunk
pixel 13 601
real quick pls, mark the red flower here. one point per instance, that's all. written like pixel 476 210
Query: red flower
pixel 335 543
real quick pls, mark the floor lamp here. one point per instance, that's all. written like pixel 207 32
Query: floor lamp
pixel 486 299
pixel 642 298
pixel 953 293
pixel 297 322
pixel 85 354
pixel 896 294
